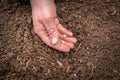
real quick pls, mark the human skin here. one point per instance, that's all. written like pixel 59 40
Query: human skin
pixel 48 28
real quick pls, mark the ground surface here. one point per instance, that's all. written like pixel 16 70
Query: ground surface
pixel 96 25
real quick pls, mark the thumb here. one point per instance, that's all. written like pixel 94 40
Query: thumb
pixel 51 28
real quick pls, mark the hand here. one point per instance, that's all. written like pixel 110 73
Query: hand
pixel 48 28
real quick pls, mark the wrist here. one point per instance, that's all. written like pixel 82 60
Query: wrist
pixel 42 3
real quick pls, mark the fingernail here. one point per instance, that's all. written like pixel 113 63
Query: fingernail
pixel 71 34
pixel 75 40
pixel 54 41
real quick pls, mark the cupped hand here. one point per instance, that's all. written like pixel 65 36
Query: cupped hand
pixel 48 28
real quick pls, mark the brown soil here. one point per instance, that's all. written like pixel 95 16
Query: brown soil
pixel 96 56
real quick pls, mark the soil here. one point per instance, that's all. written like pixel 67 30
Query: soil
pixel 96 56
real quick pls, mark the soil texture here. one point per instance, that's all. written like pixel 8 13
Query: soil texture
pixel 96 56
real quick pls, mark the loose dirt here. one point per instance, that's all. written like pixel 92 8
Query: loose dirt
pixel 96 56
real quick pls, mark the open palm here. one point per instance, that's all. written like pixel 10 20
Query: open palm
pixel 48 28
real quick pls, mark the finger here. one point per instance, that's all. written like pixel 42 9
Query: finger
pixel 52 30
pixel 68 39
pixel 62 29
pixel 70 45
pixel 61 46
pixel 56 21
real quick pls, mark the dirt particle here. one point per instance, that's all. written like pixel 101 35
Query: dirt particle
pixel 68 69
pixel 60 63
pixel 114 12
pixel 29 21
pixel 36 42
pixel 81 61
pixel 11 55
pixel 75 75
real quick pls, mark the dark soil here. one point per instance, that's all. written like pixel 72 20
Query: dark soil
pixel 96 56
